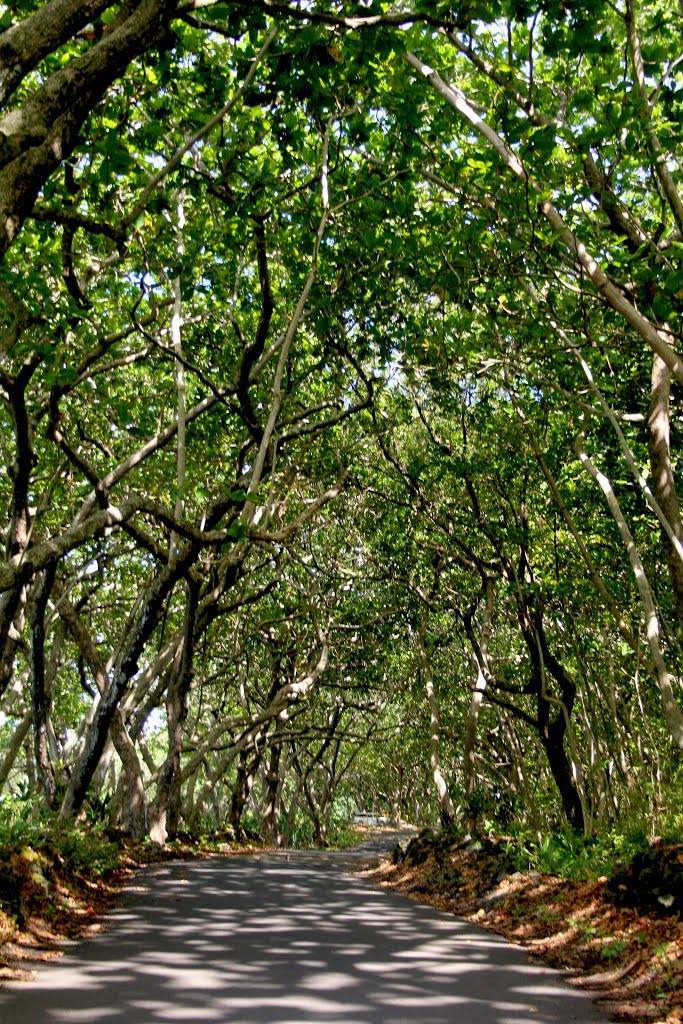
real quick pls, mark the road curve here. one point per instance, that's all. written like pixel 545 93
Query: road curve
pixel 284 939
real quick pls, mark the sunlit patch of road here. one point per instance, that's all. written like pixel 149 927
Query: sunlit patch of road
pixel 285 938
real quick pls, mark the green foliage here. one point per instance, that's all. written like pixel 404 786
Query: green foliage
pixel 79 847
pixel 614 949
pixel 433 380
pixel 576 857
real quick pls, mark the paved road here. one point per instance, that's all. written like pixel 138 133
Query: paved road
pixel 285 939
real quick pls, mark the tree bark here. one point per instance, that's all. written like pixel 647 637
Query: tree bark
pixel 146 622
pixel 165 811
pixel 270 821
pixel 133 800
pixel 672 710
pixel 13 602
pixel 39 697
pixel 658 439
pixel 480 648
pixel 14 746
pixel 552 731
pixel 247 767
pixel 43 131
pixel 446 808
pixel 304 777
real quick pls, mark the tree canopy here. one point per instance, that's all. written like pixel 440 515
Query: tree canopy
pixel 340 414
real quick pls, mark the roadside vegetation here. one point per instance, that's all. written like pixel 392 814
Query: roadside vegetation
pixel 340 429
pixel 58 879
pixel 606 912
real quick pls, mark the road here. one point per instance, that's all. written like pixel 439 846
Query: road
pixel 287 938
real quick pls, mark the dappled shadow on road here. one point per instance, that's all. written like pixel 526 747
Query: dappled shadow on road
pixel 283 938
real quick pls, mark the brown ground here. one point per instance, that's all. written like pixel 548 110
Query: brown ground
pixel 630 958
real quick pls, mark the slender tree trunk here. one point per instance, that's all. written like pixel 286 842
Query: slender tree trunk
pixel 39 697
pixel 130 805
pixel 14 746
pixel 12 620
pixel 270 821
pixel 329 786
pixel 480 648
pixel 446 808
pixel 551 730
pixel 13 601
pixel 134 811
pixel 309 793
pixel 552 738
pixel 672 710
pixel 30 765
pixel 244 783
pixel 658 439
pixel 177 340
pixel 288 832
pixel 147 620
pixel 517 773
pixel 165 811
pixel 396 803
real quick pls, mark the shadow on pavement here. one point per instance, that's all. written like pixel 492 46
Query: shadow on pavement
pixel 288 938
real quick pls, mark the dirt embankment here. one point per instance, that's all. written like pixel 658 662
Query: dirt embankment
pixel 44 900
pixel 616 937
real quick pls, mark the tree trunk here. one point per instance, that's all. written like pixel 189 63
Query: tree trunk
pixel 13 601
pixel 672 710
pixel 15 745
pixel 552 731
pixel 39 697
pixel 552 737
pixel 480 648
pixel 131 805
pixel 658 440
pixel 244 783
pixel 134 806
pixel 309 793
pixel 288 833
pixel 270 822
pixel 329 786
pixel 165 811
pixel 146 622
pixel 446 808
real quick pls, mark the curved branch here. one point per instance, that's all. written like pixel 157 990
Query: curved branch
pixel 20 569
pixel 613 296
pixel 672 711
pixel 24 45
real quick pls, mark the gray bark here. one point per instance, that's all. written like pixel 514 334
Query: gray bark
pixel 658 438
pixel 165 810
pixel 39 696
pixel 38 135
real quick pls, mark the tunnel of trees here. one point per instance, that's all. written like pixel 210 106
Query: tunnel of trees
pixel 340 412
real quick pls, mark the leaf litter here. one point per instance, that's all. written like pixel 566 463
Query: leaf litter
pixel 609 936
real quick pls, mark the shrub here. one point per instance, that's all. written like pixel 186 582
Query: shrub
pixel 80 846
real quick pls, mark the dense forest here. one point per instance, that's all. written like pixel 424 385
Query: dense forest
pixel 340 413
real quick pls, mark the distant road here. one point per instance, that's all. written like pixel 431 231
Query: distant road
pixel 283 939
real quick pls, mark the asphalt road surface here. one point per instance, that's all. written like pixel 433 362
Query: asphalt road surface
pixel 287 938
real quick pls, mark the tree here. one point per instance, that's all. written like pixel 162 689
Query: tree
pixel 325 321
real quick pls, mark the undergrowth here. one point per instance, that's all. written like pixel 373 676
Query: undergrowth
pixel 576 857
pixel 80 846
